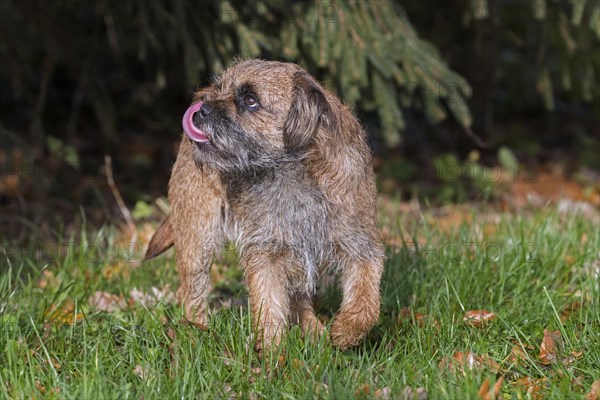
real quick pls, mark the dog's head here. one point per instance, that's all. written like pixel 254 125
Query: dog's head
pixel 257 114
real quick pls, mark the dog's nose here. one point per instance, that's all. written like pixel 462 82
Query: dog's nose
pixel 202 113
pixel 205 110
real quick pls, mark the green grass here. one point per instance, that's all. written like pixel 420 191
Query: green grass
pixel 524 268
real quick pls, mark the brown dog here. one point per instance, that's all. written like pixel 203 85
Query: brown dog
pixel 279 165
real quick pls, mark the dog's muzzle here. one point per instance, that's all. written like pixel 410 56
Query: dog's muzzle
pixel 192 115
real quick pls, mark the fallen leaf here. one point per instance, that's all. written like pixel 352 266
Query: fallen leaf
pixel 363 390
pixel 549 347
pixel 116 270
pixel 568 309
pixel 518 355
pixel 571 358
pixel 171 333
pixel 584 238
pixel 384 393
pixel 420 319
pixel 296 364
pixel 408 393
pixel 40 387
pixel 478 317
pixel 594 393
pixel 255 373
pixel 484 389
pixel 490 229
pixel 48 280
pixel 229 393
pixel 577 381
pixel 11 184
pixel 141 372
pixel 64 314
pixel 460 362
pixel 103 301
pixel 47 329
pixel 486 394
pixel 281 361
pixel 321 388
pixel 55 363
pixel 569 259
pixel 534 387
pixel 155 296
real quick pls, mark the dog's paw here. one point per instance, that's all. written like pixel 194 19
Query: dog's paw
pixel 349 329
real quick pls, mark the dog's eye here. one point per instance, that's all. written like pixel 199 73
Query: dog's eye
pixel 249 101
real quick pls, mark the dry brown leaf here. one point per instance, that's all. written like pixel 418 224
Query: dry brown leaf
pixel 321 388
pixel 550 346
pixel 364 390
pixel 171 333
pixel 577 381
pixel 10 184
pixel 118 269
pixel 229 393
pixel 569 259
pixel 549 185
pixel 460 362
pixel 408 393
pixel 594 393
pixel 55 363
pixel 255 373
pixel 406 315
pixel 103 301
pixel 48 279
pixel 486 394
pixel 490 229
pixel 535 387
pixel 40 387
pixel 571 358
pixel 141 372
pixel 296 364
pixel 384 393
pixel 281 361
pixel 478 317
pixel 568 309
pixel 151 299
pixel 518 355
pixel 64 314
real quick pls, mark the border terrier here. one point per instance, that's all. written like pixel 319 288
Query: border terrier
pixel 274 162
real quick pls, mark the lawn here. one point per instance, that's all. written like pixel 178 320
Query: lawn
pixel 79 320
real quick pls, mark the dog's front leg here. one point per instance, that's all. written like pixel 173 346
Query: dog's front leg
pixel 196 218
pixel 303 313
pixel 269 300
pixel 360 305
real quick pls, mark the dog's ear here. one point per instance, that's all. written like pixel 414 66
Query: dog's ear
pixel 309 109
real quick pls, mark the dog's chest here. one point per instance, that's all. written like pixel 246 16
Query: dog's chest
pixel 282 214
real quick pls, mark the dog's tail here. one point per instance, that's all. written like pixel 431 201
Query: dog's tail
pixel 161 241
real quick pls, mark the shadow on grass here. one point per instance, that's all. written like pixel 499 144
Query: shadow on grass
pixel 402 268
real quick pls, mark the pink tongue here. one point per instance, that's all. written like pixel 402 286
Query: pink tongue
pixel 188 124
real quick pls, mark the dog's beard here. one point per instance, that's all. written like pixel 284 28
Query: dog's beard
pixel 233 150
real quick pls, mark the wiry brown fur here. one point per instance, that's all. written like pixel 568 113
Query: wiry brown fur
pixel 292 184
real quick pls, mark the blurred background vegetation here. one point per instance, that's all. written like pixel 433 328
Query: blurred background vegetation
pixel 437 84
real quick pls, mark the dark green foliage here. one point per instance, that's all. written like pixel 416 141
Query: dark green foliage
pixel 557 42
pixel 119 60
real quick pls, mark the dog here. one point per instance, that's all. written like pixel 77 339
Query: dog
pixel 274 162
